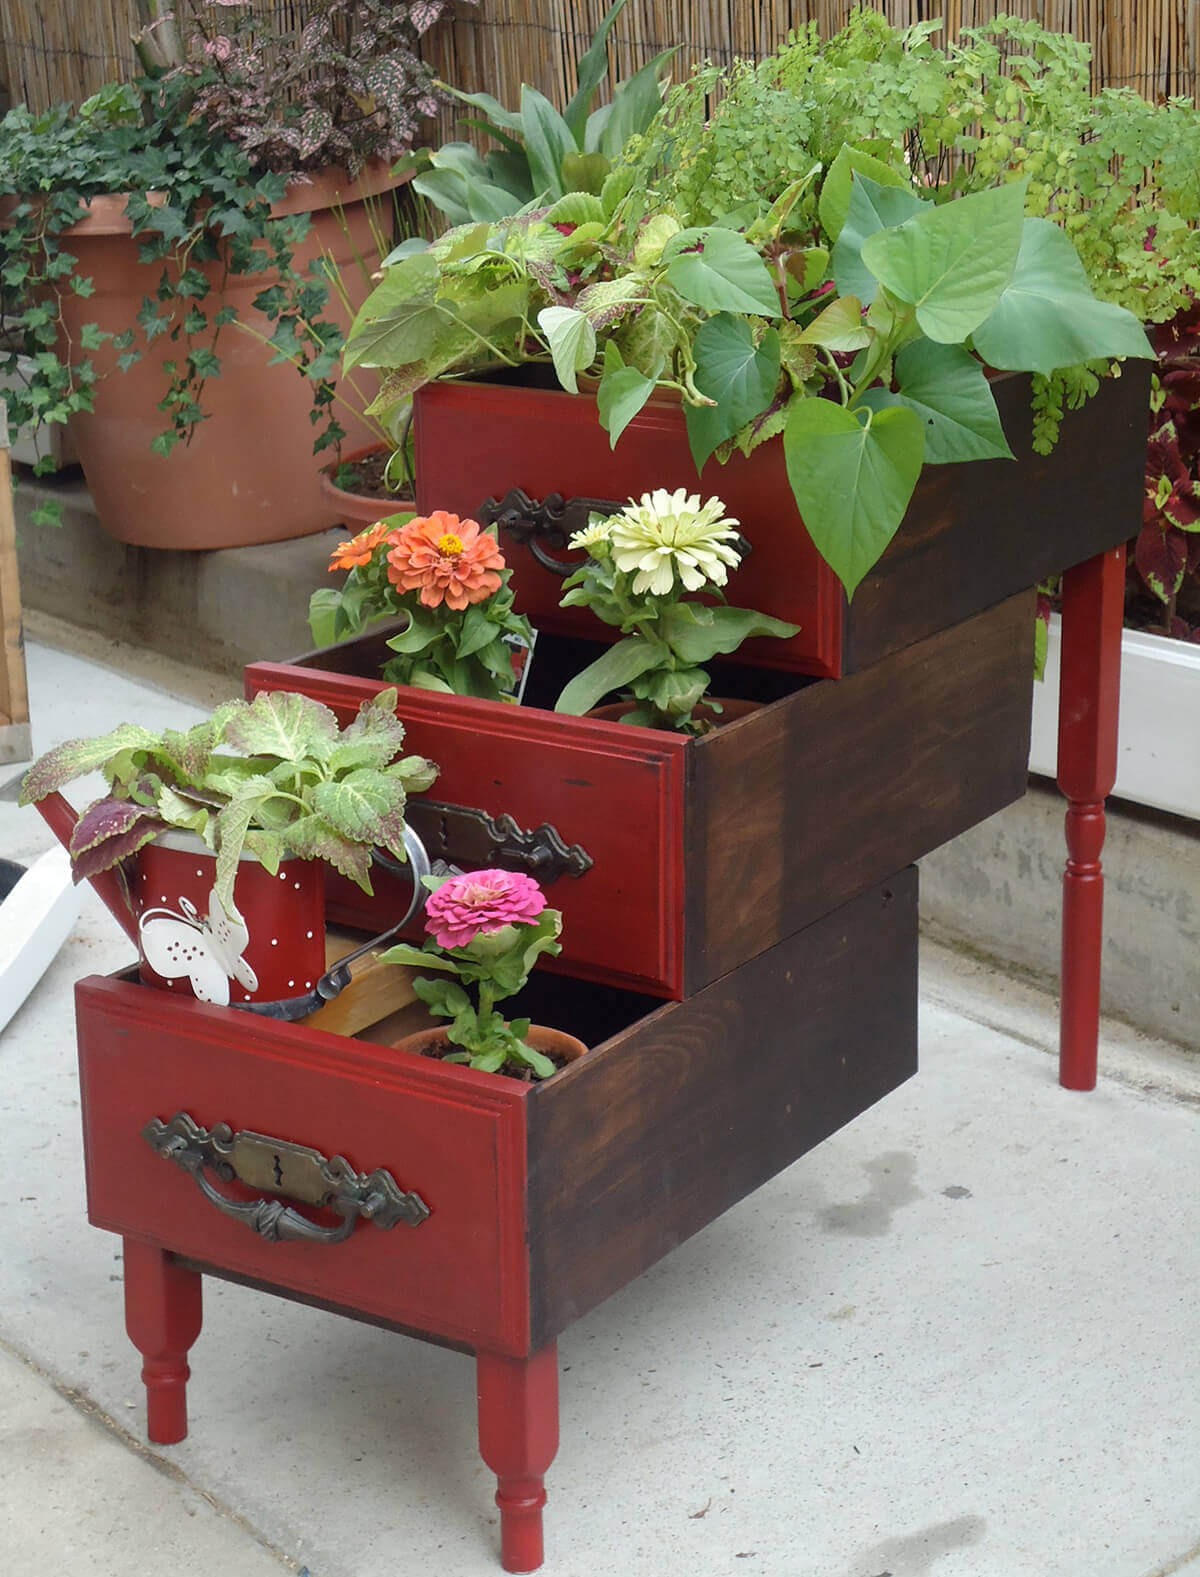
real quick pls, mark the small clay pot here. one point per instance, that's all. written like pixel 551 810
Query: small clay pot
pixel 542 1037
pixel 357 510
pixel 614 711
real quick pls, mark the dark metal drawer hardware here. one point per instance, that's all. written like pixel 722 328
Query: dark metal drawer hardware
pixel 280 1167
pixel 545 524
pixel 470 839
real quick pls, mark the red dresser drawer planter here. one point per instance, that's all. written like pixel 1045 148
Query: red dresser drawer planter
pixel 681 858
pixel 974 534
pixel 500 1211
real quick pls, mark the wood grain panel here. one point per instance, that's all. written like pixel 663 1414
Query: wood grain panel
pixel 976 534
pixel 795 809
pixel 657 1132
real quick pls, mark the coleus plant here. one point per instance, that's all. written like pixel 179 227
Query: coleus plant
pixel 859 337
pixel 275 777
pixel 1166 555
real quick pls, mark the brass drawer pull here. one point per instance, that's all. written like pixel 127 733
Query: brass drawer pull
pixel 282 1168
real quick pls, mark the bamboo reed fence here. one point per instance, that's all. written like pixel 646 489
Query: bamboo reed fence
pixel 54 50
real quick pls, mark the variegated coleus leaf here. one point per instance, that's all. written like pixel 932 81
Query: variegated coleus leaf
pixel 76 757
pixel 1161 555
pixel 366 806
pixel 311 838
pixel 284 724
pixel 108 832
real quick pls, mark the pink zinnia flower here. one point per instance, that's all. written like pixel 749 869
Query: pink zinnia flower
pixel 480 902
pixel 446 559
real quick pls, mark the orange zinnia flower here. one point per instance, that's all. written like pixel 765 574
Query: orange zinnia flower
pixel 358 551
pixel 446 559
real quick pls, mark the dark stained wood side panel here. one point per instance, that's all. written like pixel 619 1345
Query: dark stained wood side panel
pixel 657 1132
pixel 976 534
pixel 794 810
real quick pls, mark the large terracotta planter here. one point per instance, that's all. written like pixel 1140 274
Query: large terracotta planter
pixel 249 473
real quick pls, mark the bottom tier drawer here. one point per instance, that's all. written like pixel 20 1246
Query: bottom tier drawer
pixel 508 1209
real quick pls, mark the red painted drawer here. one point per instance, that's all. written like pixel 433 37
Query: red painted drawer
pixel 543 1199
pixel 974 534
pixel 705 852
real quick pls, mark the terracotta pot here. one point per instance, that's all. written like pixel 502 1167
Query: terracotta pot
pixel 614 711
pixel 187 944
pixel 542 1037
pixel 357 510
pixel 248 474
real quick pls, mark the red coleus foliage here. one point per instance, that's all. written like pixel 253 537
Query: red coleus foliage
pixel 1165 561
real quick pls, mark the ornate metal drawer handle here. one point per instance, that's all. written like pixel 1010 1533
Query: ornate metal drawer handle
pixel 550 521
pixel 468 838
pixel 282 1168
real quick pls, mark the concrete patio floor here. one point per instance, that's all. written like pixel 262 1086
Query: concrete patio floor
pixel 959 1339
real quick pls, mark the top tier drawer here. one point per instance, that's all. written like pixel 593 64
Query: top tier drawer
pixel 974 534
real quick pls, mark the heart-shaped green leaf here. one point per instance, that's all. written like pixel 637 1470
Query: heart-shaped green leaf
pixel 948 390
pixel 572 341
pixel 722 274
pixel 852 479
pixel 833 207
pixel 952 263
pixel 872 208
pixel 622 393
pixel 1048 317
pixel 731 369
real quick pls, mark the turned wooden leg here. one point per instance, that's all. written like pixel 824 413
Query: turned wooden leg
pixel 518 1436
pixel 1089 696
pixel 162 1316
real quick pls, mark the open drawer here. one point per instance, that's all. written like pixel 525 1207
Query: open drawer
pixel 534 460
pixel 521 1206
pixel 673 859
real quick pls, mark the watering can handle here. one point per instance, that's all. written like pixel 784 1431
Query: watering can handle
pixel 59 815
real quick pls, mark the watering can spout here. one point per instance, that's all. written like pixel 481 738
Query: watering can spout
pixel 59 815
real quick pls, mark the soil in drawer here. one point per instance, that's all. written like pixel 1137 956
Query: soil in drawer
pixel 544 1198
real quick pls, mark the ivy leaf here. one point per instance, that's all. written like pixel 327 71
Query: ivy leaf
pixel 282 723
pixel 852 480
pixel 948 389
pixel 735 372
pixel 622 393
pixel 1048 318
pixel 872 208
pixel 572 342
pixel 619 665
pixel 720 271
pixel 952 263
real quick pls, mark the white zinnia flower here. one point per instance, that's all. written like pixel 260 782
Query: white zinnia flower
pixel 668 535
pixel 592 536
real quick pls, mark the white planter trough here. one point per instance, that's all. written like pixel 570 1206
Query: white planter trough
pixel 1158 762
pixel 36 915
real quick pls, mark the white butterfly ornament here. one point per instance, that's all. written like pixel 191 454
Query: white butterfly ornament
pixel 209 951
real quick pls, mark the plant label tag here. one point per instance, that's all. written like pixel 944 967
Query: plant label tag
pixel 522 661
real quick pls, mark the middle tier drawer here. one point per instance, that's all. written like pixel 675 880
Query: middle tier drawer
pixel 702 853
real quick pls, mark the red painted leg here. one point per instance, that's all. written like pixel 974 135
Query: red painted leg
pixel 518 1436
pixel 1089 694
pixel 162 1316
